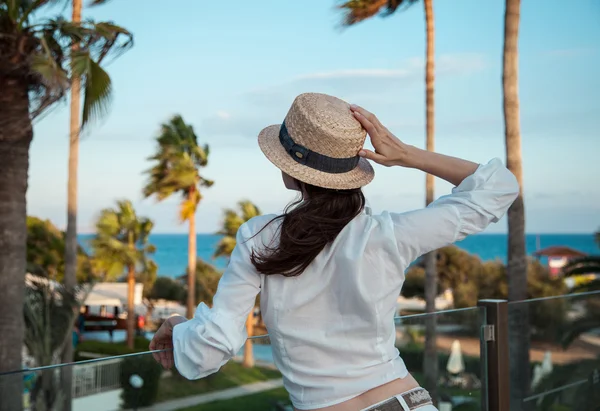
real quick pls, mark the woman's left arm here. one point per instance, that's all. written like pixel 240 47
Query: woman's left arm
pixel 202 345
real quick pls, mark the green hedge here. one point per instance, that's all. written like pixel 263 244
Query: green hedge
pixel 150 371
pixel 109 349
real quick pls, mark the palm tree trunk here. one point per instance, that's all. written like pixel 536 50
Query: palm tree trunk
pixel 430 359
pixel 130 306
pixel 191 277
pixel 248 360
pixel 16 134
pixel 517 256
pixel 71 234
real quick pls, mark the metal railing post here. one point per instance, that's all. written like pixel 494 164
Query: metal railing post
pixel 495 365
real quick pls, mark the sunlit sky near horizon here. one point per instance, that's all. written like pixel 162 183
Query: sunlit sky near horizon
pixel 231 68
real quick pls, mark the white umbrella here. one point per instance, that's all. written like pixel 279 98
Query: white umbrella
pixel 456 364
pixel 540 371
pixel 537 376
pixel 547 364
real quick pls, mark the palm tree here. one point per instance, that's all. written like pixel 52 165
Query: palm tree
pixel 355 12
pixel 231 224
pixel 97 88
pixel 516 269
pixel 33 76
pixel 176 170
pixel 121 245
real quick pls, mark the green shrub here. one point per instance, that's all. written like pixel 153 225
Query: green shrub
pixel 150 371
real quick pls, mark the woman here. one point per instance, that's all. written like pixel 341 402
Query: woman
pixel 329 272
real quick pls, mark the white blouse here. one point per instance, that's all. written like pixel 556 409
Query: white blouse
pixel 332 328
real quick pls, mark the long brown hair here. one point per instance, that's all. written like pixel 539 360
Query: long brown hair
pixel 308 225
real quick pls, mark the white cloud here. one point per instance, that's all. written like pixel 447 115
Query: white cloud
pixel 381 87
pixel 413 67
pixel 223 114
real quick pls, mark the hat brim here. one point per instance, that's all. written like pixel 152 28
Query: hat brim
pixel 268 140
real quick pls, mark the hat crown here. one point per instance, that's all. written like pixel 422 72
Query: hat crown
pixel 324 124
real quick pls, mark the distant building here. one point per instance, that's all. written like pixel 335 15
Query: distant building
pixel 105 295
pixel 558 257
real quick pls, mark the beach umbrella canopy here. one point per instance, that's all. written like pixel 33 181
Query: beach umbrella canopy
pixel 456 363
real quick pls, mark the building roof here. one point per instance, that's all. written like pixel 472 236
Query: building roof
pixel 559 251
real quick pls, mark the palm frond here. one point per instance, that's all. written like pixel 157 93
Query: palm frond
pixel 98 2
pixel 45 65
pixel 97 87
pixel 121 241
pixel 356 11
pixel 584 265
pixel 176 166
pixel 225 247
pixel 232 221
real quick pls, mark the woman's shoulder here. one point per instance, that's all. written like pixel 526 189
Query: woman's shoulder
pixel 259 224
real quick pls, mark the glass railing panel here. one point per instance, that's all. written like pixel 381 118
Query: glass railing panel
pixel 458 350
pixel 560 369
pixel 250 382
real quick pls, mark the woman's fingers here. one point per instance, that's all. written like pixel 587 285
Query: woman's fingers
pixel 368 115
pixel 371 155
pixel 367 124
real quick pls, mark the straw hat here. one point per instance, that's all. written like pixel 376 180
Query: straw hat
pixel 318 143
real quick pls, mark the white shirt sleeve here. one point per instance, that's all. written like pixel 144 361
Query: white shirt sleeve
pixel 482 198
pixel 205 343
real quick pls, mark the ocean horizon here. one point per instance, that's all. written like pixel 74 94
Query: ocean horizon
pixel 171 249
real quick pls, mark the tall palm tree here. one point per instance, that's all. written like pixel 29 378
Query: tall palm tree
pixel 97 87
pixel 516 269
pixel 355 12
pixel 178 159
pixel 121 246
pixel 33 76
pixel 231 223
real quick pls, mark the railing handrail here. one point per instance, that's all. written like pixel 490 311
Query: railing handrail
pixel 556 297
pixel 257 337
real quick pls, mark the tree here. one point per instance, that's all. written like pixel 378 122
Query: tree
pixel 355 12
pixel 49 312
pixel 516 269
pixel 471 280
pixel 585 274
pixel 207 280
pixel 178 159
pixel 97 92
pixel 231 224
pixel 33 76
pixel 46 252
pixel 121 246
pixel 166 288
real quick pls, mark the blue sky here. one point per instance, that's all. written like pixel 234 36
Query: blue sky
pixel 231 68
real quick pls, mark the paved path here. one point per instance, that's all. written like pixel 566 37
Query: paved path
pixel 240 391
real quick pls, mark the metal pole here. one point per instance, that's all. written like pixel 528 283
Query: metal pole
pixel 495 352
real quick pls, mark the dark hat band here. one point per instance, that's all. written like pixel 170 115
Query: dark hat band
pixel 313 159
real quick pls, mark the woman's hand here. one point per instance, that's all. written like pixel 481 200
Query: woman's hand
pixel 389 150
pixel 163 340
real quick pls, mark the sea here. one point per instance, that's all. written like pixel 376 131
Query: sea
pixel 171 257
pixel 172 249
